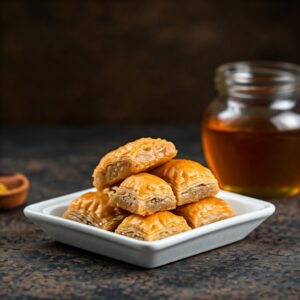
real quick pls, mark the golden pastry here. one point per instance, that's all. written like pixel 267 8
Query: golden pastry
pixel 189 180
pixel 153 227
pixel 97 210
pixel 143 194
pixel 205 211
pixel 132 158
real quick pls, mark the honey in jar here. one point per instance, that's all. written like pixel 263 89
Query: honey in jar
pixel 251 131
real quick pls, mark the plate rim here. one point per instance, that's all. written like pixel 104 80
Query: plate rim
pixel 35 212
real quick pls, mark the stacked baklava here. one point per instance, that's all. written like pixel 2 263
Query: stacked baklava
pixel 144 193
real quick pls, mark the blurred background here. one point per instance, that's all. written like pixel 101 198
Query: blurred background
pixel 139 62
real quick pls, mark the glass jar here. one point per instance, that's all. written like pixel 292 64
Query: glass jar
pixel 251 130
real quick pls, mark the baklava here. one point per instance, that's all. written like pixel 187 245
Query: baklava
pixel 143 194
pixel 135 157
pixel 205 211
pixel 95 209
pixel 151 228
pixel 189 180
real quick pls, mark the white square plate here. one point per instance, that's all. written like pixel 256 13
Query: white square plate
pixel 250 214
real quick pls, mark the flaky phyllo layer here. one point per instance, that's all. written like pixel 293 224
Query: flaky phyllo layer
pixel 154 227
pixel 205 211
pixel 143 194
pixel 135 157
pixel 96 209
pixel 189 180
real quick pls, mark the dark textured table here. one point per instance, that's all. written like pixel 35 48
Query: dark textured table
pixel 60 160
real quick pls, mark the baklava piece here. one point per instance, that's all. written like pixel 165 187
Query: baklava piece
pixel 151 228
pixel 189 180
pixel 205 211
pixel 95 209
pixel 132 158
pixel 143 194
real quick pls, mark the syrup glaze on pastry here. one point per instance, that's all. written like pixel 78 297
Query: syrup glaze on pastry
pixel 189 180
pixel 124 187
pixel 132 158
pixel 205 211
pixel 95 209
pixel 143 194
pixel 153 227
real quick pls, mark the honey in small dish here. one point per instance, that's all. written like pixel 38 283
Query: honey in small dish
pixel 3 188
pixel 13 190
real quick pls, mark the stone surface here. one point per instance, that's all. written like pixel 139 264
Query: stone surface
pixel 60 160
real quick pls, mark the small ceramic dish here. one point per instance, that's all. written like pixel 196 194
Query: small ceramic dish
pixel 17 187
pixel 250 214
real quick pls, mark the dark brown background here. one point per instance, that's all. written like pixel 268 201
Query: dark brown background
pixel 131 61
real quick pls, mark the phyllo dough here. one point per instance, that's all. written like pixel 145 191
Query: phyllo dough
pixel 205 211
pixel 132 158
pixel 189 180
pixel 143 194
pixel 96 209
pixel 153 227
